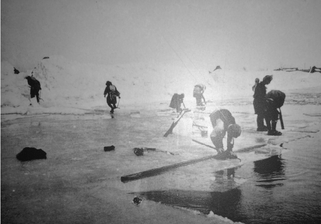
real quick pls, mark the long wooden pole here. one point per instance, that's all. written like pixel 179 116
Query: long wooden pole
pixel 281 119
pixel 170 130
pixel 160 170
pixel 163 169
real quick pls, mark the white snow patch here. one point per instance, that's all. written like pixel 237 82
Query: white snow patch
pixel 68 86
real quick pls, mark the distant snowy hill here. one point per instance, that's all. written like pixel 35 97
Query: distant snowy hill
pixel 69 84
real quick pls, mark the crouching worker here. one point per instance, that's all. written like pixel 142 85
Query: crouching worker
pixel 176 102
pixel 112 93
pixel 274 102
pixel 222 122
pixel 35 87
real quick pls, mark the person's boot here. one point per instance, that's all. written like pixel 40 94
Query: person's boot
pixel 231 155
pixel 264 128
pixel 270 127
pixel 274 131
pixel 221 155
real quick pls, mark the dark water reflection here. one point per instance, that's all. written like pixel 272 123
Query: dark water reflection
pixel 223 203
pixel 277 191
pixel 270 172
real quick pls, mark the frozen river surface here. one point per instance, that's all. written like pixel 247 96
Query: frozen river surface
pixel 72 183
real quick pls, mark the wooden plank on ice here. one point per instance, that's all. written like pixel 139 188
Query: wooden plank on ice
pixel 163 169
pixel 160 170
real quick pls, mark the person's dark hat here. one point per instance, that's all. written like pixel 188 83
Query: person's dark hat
pixel 235 130
pixel 268 78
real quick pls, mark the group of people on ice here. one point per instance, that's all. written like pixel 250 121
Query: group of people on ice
pixel 266 106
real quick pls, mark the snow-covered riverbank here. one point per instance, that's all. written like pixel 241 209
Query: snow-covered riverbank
pixel 68 86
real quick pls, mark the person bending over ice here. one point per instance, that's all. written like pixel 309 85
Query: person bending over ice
pixel 35 87
pixel 222 122
pixel 176 102
pixel 274 102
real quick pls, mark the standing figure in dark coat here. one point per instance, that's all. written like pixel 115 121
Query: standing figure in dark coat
pixel 259 102
pixel 222 122
pixel 111 92
pixel 176 102
pixel 35 87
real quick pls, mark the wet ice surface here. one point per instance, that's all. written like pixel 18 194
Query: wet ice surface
pixel 285 188
pixel 281 189
pixel 258 193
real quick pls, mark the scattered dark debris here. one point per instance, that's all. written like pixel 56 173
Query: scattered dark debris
pixel 109 148
pixel 137 200
pixel 217 67
pixel 31 153
pixel 139 151
pixel 16 71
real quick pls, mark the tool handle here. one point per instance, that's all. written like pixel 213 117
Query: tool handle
pixel 281 119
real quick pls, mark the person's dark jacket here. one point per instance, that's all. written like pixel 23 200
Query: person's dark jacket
pixel 259 98
pixel 111 89
pixel 34 85
pixel 176 101
pixel 224 115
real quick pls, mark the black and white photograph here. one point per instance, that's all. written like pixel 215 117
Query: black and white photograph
pixel 160 111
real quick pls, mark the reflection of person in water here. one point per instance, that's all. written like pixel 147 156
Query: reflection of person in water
pixel 230 173
pixel 224 180
pixel 269 170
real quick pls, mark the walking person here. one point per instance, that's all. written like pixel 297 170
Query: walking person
pixel 111 93
pixel 223 122
pixel 259 102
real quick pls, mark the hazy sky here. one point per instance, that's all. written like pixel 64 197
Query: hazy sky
pixel 238 33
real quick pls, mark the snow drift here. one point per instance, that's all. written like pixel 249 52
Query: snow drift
pixel 68 84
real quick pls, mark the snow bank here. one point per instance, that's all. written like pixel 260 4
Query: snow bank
pixel 14 90
pixel 67 84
